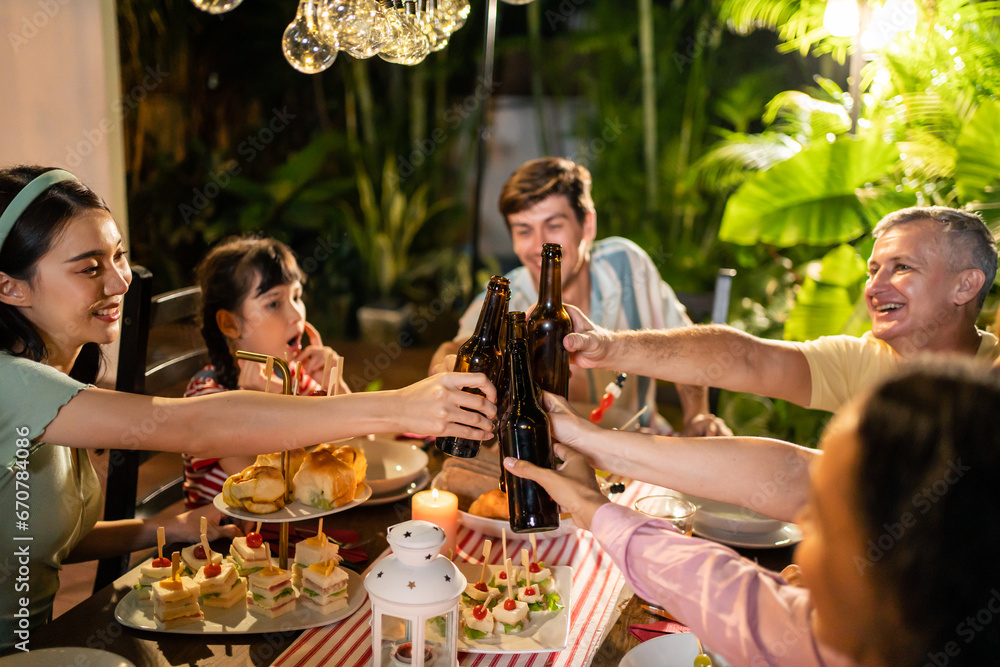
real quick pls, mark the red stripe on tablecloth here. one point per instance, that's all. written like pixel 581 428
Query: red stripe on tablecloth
pixel 360 623
pixel 302 639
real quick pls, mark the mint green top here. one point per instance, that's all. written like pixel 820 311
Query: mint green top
pixel 58 495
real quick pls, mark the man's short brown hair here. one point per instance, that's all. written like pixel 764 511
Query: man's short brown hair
pixel 965 232
pixel 540 179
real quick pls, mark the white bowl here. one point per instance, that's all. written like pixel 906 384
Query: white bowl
pixel 392 464
pixel 716 516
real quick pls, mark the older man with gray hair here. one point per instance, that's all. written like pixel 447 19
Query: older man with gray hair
pixel 928 276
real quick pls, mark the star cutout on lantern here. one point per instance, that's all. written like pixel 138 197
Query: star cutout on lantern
pixel 447 578
pixel 427 557
pixel 406 534
pixel 411 585
pixel 378 576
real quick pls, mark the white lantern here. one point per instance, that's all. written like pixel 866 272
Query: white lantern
pixel 415 593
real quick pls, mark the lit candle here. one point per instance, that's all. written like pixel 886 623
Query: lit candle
pixel 441 509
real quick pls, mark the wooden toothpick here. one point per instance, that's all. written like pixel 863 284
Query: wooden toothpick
pixel 487 547
pixel 161 539
pixel 534 547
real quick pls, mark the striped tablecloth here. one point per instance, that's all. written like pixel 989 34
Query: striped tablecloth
pixel 597 583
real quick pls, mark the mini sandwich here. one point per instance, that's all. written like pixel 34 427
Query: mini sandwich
pixel 479 591
pixel 511 616
pixel 537 600
pixel 220 586
pixel 271 592
pixel 175 603
pixel 249 554
pixel 539 575
pixel 324 481
pixel 477 621
pixel 500 579
pixel 312 550
pixel 324 586
pixel 257 489
pixel 149 574
pixel 194 558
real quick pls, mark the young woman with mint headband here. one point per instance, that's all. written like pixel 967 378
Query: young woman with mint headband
pixel 63 276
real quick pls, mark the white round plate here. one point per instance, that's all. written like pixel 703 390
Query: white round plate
pixel 68 655
pixel 717 517
pixel 418 484
pixel 496 527
pixel 293 511
pixel 239 619
pixel 677 650
pixel 787 535
pixel 392 464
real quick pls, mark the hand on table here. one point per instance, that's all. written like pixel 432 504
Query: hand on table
pixel 573 484
pixel 445 405
pixel 705 425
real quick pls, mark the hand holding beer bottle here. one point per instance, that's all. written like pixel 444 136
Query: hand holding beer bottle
pixel 482 354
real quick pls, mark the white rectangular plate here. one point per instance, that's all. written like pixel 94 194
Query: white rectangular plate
pixel 239 619
pixel 544 632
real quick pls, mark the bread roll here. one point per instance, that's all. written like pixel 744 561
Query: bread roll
pixel 324 481
pixel 466 484
pixel 491 505
pixel 296 456
pixel 257 489
pixel 353 457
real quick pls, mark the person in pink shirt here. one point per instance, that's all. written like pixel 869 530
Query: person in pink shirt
pixel 900 537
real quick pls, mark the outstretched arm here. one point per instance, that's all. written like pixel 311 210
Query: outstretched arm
pixel 768 476
pixel 250 422
pixel 709 355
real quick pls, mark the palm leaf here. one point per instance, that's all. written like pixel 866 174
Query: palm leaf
pixel 826 301
pixel 811 198
pixel 977 167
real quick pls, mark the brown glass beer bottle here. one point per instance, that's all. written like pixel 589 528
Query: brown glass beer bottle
pixel 524 435
pixel 548 325
pixel 482 354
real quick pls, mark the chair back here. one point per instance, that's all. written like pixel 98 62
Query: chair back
pixel 160 349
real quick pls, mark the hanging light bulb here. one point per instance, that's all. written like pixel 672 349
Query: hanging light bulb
pixel 355 26
pixel 518 2
pixel 841 18
pixel 216 6
pixel 393 46
pixel 303 45
pixel 462 11
pixel 417 44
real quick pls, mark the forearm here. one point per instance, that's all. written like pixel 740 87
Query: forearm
pixel 225 424
pixel 713 356
pixel 113 538
pixel 768 476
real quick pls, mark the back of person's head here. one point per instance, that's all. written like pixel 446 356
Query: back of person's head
pixel 30 238
pixel 540 179
pixel 928 472
pixel 970 243
pixel 226 276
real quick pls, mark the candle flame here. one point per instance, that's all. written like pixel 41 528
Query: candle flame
pixel 434 494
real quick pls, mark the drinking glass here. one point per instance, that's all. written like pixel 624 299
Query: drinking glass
pixel 678 511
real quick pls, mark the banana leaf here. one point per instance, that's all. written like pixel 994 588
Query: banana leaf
pixel 828 297
pixel 977 169
pixel 812 198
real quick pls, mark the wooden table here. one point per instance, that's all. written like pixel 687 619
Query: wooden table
pixel 91 623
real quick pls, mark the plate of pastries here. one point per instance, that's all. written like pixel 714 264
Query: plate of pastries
pixel 329 478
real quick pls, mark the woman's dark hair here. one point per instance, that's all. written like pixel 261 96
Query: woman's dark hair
pixel 928 480
pixel 30 238
pixel 226 276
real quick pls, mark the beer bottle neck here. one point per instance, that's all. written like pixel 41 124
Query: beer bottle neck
pixel 550 283
pixel 522 387
pixel 491 317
